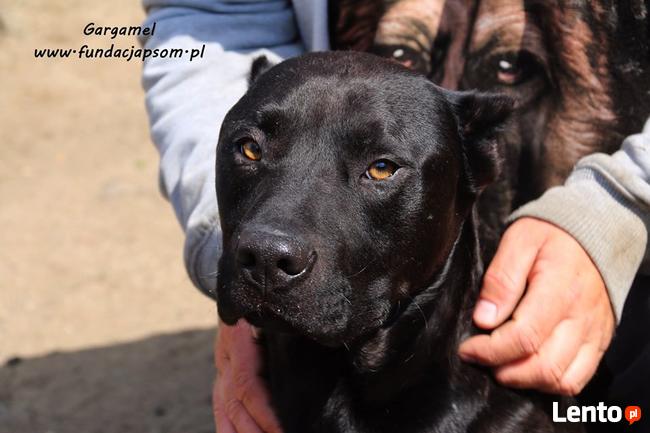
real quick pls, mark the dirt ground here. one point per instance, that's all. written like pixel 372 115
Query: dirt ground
pixel 100 329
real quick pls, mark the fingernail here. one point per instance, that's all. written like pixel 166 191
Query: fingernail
pixel 255 332
pixel 468 358
pixel 486 312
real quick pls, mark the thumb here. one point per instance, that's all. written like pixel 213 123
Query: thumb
pixel 504 281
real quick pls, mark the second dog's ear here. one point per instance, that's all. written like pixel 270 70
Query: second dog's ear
pixel 480 118
pixel 260 65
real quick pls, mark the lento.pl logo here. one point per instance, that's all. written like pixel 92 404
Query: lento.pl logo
pixel 600 413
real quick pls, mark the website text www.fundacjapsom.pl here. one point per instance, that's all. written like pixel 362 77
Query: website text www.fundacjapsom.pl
pixel 128 54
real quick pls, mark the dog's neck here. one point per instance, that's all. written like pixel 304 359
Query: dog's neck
pixel 419 348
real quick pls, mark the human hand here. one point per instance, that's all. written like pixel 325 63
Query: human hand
pixel 240 398
pixel 562 326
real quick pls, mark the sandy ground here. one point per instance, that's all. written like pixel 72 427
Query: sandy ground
pixel 100 330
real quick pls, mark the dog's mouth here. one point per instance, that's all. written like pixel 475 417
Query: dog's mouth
pixel 271 319
pixel 268 320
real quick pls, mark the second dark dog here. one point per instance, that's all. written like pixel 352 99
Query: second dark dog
pixel 347 188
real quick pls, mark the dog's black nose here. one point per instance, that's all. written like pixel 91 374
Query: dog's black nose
pixel 273 259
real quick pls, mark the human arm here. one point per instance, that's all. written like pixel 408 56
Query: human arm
pixel 594 245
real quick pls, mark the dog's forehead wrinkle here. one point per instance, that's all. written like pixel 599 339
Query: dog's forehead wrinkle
pixel 319 129
pixel 331 98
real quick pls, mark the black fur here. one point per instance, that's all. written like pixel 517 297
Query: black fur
pixel 363 288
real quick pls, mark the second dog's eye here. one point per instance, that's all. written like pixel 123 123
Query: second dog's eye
pixel 381 169
pixel 251 150
pixel 515 68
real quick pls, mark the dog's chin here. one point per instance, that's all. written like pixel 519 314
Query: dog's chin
pixel 270 322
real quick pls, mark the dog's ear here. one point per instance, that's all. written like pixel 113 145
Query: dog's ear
pixel 480 118
pixel 260 65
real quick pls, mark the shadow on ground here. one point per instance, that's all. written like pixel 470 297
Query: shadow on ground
pixel 159 384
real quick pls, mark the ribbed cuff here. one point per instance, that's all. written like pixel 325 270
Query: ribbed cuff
pixel 606 224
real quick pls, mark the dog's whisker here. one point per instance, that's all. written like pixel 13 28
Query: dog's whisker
pixel 362 269
pixel 346 298
pixel 424 317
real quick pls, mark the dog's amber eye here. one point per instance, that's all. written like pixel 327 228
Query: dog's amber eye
pixel 381 169
pixel 251 150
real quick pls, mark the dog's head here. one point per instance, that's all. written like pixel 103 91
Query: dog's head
pixel 343 180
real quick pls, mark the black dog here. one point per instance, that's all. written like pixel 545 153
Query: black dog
pixel 347 188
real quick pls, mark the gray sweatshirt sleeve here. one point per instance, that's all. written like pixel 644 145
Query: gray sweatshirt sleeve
pixel 187 101
pixel 605 205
